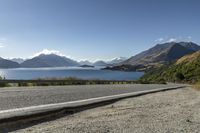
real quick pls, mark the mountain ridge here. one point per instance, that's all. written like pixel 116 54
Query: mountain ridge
pixel 18 60
pixel 160 54
pixel 50 60
pixel 4 63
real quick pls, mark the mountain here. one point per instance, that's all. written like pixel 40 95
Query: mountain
pixel 100 63
pixel 190 45
pixel 8 64
pixel 103 63
pixel 50 60
pixel 85 63
pixel 117 60
pixel 18 60
pixel 163 53
pixel 185 69
pixel 86 66
pixel 159 55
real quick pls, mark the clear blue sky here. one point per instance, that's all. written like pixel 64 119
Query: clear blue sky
pixel 94 29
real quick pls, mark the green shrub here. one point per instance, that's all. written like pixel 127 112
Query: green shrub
pixel 179 76
pixel 4 85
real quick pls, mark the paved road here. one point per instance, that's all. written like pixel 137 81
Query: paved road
pixel 15 97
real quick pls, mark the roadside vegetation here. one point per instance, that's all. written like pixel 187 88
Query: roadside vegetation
pixel 2 84
pixel 185 70
pixel 197 86
pixel 60 82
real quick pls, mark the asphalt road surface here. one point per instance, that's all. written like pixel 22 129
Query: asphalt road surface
pixel 18 97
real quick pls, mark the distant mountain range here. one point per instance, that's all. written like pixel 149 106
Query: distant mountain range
pixel 18 60
pixel 157 56
pixel 85 63
pixel 100 63
pixel 117 60
pixel 154 57
pixel 50 60
pixel 103 63
pixel 8 64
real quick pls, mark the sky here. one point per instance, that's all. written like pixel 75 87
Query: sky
pixel 94 29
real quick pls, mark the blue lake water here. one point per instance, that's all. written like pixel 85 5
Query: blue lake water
pixel 82 73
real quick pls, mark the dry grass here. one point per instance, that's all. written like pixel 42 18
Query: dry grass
pixel 197 86
pixel 189 58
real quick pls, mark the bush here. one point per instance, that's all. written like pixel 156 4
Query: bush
pixel 161 81
pixel 4 85
pixel 179 76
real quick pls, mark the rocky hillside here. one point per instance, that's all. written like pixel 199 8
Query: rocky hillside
pixel 186 69
pixel 163 53
pixel 159 55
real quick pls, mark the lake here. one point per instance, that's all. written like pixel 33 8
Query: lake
pixel 82 73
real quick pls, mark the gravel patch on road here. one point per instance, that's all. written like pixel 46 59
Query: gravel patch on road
pixel 170 111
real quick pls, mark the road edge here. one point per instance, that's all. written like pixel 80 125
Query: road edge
pixel 14 119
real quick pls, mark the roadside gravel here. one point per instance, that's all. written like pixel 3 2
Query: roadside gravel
pixel 170 111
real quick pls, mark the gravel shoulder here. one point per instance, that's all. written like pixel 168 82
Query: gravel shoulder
pixel 170 111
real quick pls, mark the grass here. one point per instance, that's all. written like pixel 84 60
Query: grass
pixel 197 86
pixel 5 85
pixel 68 81
pixel 59 82
pixel 72 82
